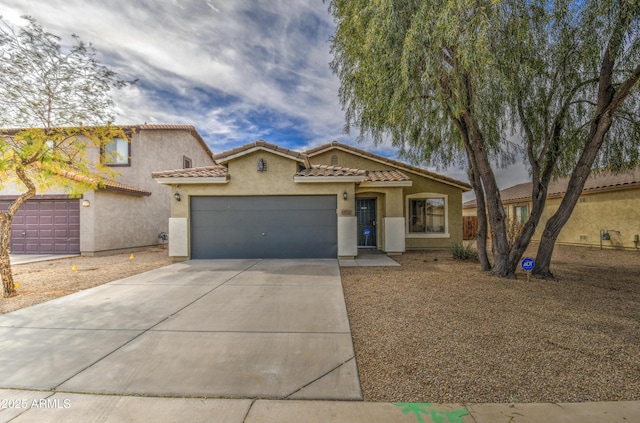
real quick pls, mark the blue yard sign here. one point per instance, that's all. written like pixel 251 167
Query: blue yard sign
pixel 367 232
pixel 528 264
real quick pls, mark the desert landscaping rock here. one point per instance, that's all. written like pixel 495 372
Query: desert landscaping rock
pixel 442 331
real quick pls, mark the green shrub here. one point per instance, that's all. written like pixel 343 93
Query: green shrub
pixel 463 252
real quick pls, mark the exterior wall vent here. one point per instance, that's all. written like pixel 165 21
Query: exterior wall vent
pixel 334 160
pixel 262 165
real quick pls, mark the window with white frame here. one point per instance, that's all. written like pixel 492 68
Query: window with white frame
pixel 427 215
pixel 521 213
pixel 117 152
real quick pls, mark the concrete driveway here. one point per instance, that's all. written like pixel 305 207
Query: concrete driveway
pixel 208 328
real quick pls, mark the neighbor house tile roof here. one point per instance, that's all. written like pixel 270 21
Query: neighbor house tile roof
pixel 598 181
pixel 106 184
pixel 136 128
pixel 296 155
pixel 215 171
pixel 391 162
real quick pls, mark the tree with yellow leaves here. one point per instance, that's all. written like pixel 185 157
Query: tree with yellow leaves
pixel 59 101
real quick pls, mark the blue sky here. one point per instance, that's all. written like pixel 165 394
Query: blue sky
pixel 238 70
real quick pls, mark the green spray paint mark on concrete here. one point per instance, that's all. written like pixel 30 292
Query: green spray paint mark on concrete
pixel 437 416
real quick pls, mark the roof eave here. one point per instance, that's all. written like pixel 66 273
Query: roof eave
pixel 141 193
pixel 192 180
pixel 328 179
pixel 372 184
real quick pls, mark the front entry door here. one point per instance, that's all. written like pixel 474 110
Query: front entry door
pixel 366 217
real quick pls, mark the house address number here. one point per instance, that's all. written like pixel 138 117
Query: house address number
pixel 346 212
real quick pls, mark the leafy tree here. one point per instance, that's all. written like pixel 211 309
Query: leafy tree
pixel 61 100
pixel 447 77
pixel 421 72
pixel 592 119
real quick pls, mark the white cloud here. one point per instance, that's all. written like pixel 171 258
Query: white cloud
pixel 214 64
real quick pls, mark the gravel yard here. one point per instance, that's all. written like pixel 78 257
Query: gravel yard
pixel 438 330
pixel 44 281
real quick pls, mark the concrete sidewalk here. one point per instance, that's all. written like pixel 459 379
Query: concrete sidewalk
pixel 31 406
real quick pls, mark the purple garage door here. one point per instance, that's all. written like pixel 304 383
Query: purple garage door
pixel 45 226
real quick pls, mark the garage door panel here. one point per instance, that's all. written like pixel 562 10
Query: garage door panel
pixel 263 227
pixel 46 220
pixel 46 227
pixel 283 203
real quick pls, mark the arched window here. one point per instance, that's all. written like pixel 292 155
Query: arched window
pixel 334 160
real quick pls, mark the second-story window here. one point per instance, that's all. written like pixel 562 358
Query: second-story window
pixel 186 162
pixel 117 152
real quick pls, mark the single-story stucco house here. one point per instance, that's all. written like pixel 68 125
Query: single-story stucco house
pixel 123 215
pixel 607 214
pixel 264 201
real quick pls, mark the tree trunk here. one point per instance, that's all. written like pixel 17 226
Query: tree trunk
pixel 481 213
pixel 8 287
pixel 476 184
pixel 610 97
pixel 499 245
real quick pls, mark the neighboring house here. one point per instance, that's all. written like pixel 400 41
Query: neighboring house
pixel 607 213
pixel 125 214
pixel 264 201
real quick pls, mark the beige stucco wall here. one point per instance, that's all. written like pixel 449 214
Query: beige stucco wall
pixel 277 180
pixel 347 159
pixel 395 204
pixel 612 211
pixel 469 212
pixel 454 212
pixel 124 221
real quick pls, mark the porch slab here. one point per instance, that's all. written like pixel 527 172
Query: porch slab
pixel 369 260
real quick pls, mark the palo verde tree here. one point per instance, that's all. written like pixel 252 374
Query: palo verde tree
pixel 58 99
pixel 449 76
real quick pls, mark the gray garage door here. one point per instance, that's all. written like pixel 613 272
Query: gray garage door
pixel 46 226
pixel 264 227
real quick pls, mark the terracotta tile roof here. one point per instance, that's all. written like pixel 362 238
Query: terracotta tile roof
pixel 106 184
pixel 215 171
pixel 386 176
pixel 187 128
pixel 391 162
pixel 324 170
pixel 598 181
pixel 370 175
pixel 260 144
